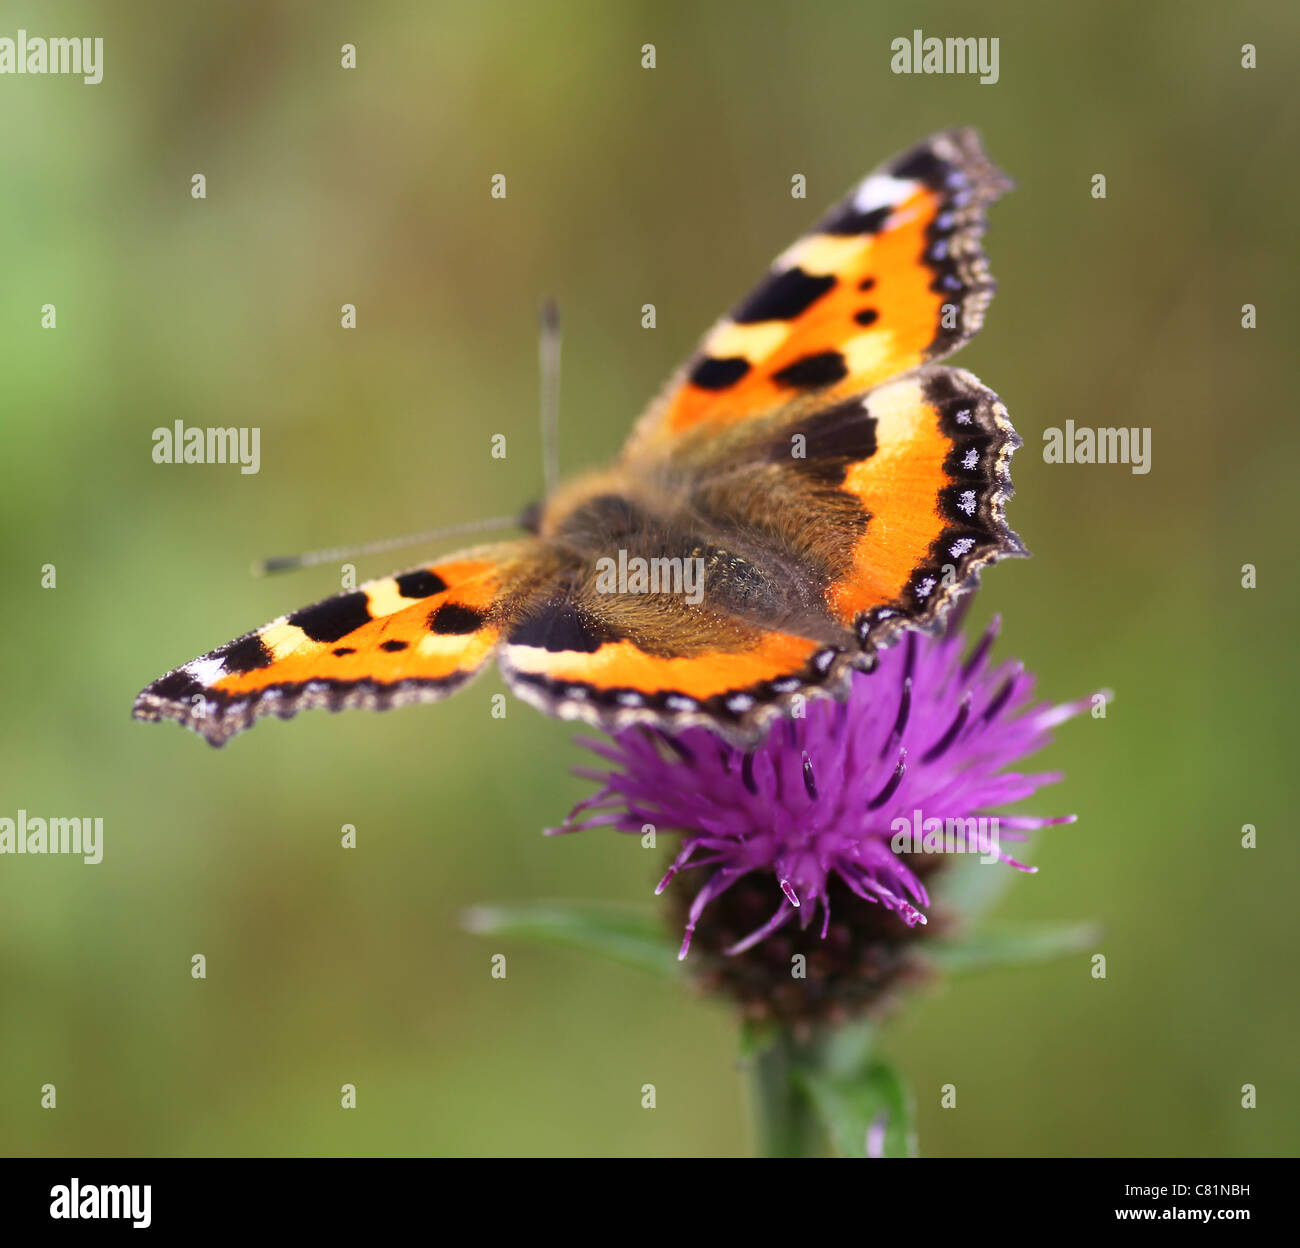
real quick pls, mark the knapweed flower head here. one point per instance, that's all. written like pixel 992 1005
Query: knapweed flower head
pixel 850 804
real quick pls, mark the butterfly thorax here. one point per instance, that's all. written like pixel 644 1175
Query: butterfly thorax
pixel 683 543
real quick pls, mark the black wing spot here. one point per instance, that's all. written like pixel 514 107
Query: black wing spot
pixel 824 369
pixel 177 686
pixel 833 440
pixel 560 626
pixel 714 374
pixel 851 220
pixel 333 618
pixel 846 432
pixel 868 316
pixel 420 584
pixel 393 646
pixel 454 618
pixel 783 297
pixel 923 166
pixel 245 655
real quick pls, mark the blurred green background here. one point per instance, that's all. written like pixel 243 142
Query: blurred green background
pixel 626 186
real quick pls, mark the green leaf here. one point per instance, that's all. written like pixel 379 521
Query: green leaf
pixel 847 1047
pixel 871 1108
pixel 632 935
pixel 1012 944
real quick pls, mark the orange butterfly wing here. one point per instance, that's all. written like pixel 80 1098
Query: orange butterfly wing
pixel 935 489
pixel 583 657
pixel 891 278
pixel 414 637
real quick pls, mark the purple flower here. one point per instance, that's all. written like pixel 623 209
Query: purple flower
pixel 921 742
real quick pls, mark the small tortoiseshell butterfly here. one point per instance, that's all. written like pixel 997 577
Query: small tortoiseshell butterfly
pixel 829 482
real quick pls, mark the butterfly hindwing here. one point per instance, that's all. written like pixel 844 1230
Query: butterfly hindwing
pixel 625 659
pixel 935 489
pixel 889 503
pixel 414 637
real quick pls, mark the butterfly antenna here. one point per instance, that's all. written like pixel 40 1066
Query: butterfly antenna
pixel 548 352
pixel 287 563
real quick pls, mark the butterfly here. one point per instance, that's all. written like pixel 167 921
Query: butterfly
pixel 809 485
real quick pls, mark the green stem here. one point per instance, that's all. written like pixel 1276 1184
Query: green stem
pixel 784 1118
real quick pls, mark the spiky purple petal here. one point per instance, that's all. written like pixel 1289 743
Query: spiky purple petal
pixel 924 733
